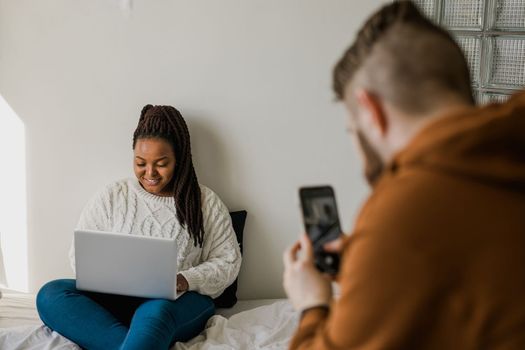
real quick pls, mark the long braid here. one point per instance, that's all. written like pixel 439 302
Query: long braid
pixel 167 123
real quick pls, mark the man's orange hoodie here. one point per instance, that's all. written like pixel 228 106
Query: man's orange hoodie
pixel 437 257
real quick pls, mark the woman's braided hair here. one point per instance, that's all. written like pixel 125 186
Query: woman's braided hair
pixel 166 122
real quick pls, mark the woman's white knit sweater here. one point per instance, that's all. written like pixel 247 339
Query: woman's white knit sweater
pixel 125 207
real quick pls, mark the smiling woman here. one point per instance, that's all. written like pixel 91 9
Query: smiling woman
pixel 154 165
pixel 13 227
pixel 166 200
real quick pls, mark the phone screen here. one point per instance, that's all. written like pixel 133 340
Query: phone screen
pixel 321 222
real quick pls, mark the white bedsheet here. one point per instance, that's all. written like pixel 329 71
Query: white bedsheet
pixel 33 338
pixel 266 327
pixel 21 328
pixel 18 310
pixel 249 326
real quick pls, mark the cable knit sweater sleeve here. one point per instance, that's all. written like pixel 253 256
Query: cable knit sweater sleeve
pixel 96 215
pixel 221 256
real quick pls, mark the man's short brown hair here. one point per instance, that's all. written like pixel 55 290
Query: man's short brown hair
pixel 402 56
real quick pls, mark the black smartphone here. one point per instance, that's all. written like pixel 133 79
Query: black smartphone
pixel 321 222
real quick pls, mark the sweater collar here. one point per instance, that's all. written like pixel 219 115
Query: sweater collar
pixel 141 192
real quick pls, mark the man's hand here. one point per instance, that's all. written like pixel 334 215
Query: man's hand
pixel 336 246
pixel 182 284
pixel 305 286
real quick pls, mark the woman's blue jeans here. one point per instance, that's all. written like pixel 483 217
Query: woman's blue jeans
pixel 104 321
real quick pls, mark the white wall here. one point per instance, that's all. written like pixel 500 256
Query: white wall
pixel 252 78
pixel 13 206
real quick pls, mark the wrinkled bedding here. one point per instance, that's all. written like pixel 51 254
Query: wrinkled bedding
pixel 248 326
pixel 21 328
pixel 266 327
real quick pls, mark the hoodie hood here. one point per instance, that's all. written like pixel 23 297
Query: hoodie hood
pixel 481 143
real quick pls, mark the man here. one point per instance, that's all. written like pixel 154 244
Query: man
pixel 437 256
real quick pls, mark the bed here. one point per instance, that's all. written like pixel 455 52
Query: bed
pixel 250 324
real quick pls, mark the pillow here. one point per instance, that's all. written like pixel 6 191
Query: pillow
pixel 228 298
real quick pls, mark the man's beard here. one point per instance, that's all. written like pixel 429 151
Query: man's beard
pixel 374 166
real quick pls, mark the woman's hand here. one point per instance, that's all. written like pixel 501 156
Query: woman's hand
pixel 182 284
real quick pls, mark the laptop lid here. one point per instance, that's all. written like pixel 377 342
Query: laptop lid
pixel 126 264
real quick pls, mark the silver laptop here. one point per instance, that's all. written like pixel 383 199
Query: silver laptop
pixel 126 264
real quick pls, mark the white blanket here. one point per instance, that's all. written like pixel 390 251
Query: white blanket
pixel 21 328
pixel 33 338
pixel 266 327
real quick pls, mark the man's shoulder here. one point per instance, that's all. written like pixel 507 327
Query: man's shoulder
pixel 405 202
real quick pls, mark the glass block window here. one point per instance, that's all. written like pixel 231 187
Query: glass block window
pixel 506 61
pixel 509 15
pixel 471 46
pixel 492 36
pixel 428 7
pixel 462 14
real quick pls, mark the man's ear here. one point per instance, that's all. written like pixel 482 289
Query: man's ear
pixel 372 105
